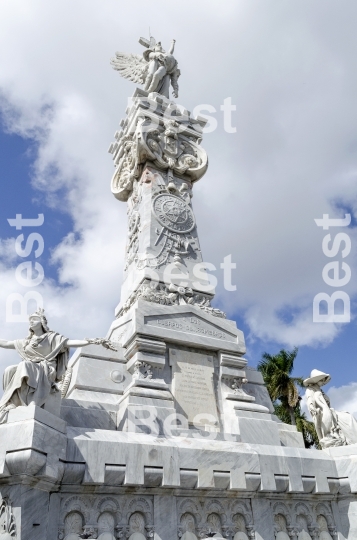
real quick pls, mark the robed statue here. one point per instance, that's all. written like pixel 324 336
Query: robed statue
pixel 44 356
pixel 334 428
pixel 156 69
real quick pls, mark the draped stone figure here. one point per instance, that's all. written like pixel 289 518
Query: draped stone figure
pixel 334 428
pixel 44 356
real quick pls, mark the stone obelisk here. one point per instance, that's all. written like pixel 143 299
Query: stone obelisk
pixel 164 432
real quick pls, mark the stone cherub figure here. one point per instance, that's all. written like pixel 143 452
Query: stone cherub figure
pixel 155 69
pixel 334 428
pixel 44 355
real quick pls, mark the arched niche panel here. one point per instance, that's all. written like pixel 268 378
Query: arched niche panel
pixel 215 524
pixel 73 525
pixel 106 526
pixel 323 527
pixel 137 523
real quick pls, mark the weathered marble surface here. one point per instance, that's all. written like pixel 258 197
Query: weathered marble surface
pixel 96 470
pixel 193 386
pixel 32 440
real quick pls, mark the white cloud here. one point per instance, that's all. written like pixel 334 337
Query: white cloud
pixel 290 69
pixel 344 398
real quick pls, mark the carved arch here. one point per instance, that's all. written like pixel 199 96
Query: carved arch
pixel 140 504
pixel 106 523
pixel 239 522
pixel 214 522
pixel 322 523
pixel 190 506
pixel 216 507
pixel 107 504
pixel 78 504
pixel 137 523
pixel 73 523
pixel 188 523
pixel 240 507
pixel 324 510
pixel 305 511
pixel 281 508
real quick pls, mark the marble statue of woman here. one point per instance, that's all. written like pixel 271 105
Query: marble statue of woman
pixel 44 356
pixel 334 428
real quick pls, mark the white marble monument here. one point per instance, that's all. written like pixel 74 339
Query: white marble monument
pixel 165 432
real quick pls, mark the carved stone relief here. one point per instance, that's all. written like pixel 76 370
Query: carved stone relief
pixel 133 238
pixel 303 521
pixel 137 522
pixel 7 521
pixel 106 517
pixel 323 527
pixel 174 218
pixel 240 525
pixel 106 526
pixel 142 370
pixel 237 385
pixel 187 528
pixel 73 527
pixel 160 293
pixel 226 518
pixel 165 142
pixel 173 213
pixel 131 517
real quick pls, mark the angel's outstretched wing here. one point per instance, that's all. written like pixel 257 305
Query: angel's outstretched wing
pixel 130 66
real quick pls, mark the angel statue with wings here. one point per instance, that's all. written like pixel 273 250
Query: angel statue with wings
pixel 155 69
pixel 44 356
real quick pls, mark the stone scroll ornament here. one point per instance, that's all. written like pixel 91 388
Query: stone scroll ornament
pixel 44 366
pixel 334 428
pixel 156 69
pixel 167 146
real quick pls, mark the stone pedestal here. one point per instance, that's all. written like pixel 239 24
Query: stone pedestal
pixel 33 446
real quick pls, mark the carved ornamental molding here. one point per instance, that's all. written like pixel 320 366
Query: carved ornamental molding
pixel 156 131
pixel 7 520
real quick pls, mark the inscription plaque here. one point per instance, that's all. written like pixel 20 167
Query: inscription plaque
pixel 190 325
pixel 193 387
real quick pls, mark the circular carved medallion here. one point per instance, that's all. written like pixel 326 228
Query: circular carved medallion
pixel 116 376
pixel 173 213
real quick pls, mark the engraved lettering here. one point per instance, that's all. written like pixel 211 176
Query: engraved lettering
pixel 193 384
pixel 190 325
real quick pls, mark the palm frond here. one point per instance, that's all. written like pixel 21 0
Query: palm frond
pixel 283 390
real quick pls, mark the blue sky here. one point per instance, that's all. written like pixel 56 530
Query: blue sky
pixel 19 197
pixel 290 70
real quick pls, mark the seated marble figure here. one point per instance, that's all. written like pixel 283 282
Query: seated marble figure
pixel 44 359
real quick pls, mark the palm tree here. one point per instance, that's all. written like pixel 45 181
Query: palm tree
pixel 276 370
pixel 282 387
pixel 306 428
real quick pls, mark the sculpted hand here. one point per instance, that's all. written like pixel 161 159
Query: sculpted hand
pixel 313 411
pixel 101 341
